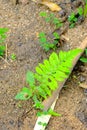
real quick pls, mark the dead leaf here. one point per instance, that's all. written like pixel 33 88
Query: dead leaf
pixel 83 85
pixel 52 6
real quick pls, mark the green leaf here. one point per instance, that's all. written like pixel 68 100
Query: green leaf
pixel 56 35
pixel 39 70
pixel 45 46
pixel 56 21
pixel 51 15
pixel 47 65
pixel 64 69
pixel 58 25
pixel 43 68
pixel 53 59
pixel 13 56
pixel 42 34
pixel 71 17
pixel 38 103
pixel 80 11
pixel 75 19
pixel 51 112
pixel 42 37
pixel 41 92
pixel 25 89
pixel 61 56
pixel 43 40
pixel 30 78
pixel 43 14
pixel 38 77
pixel 25 94
pixel 46 88
pixel 53 83
pixel 60 76
pixel 83 59
pixel 3 30
pixel 47 19
pixel 72 25
pixel 40 113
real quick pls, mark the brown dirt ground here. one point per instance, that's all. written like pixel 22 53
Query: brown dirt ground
pixel 24 23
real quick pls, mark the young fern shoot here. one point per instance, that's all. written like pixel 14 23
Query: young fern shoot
pixel 47 77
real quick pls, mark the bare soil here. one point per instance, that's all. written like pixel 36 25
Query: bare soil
pixel 24 24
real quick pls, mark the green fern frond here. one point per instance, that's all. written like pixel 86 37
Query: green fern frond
pixel 55 69
pixel 47 76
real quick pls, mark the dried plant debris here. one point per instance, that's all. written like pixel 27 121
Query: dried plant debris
pixel 52 6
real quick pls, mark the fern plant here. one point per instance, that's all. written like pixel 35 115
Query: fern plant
pixel 47 77
pixel 74 17
pixel 51 19
pixel 45 44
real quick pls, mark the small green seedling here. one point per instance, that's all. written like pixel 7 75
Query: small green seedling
pixel 13 56
pixel 52 19
pixel 47 45
pixel 47 77
pixel 2 39
pixel 84 59
pixel 74 17
pixel 56 35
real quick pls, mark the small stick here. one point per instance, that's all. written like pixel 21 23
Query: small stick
pixel 48 102
pixel 64 38
pixel 4 60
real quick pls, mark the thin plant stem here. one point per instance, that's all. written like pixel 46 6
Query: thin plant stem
pixel 4 60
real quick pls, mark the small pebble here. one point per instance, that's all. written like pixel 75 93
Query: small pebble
pixel 85 92
pixel 11 122
pixel 19 44
pixel 62 13
pixel 82 78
